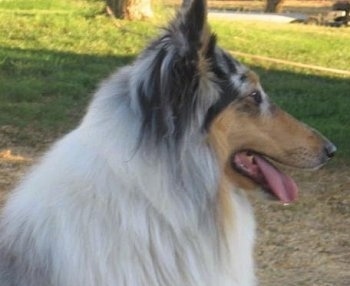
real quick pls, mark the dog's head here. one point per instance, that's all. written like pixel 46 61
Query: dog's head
pixel 188 85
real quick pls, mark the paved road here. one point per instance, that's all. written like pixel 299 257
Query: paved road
pixel 276 18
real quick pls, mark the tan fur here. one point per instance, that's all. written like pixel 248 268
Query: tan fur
pixel 203 65
pixel 279 136
pixel 218 139
pixel 253 78
pixel 225 209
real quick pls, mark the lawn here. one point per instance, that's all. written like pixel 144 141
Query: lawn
pixel 53 54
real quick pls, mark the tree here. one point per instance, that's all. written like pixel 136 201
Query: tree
pixel 130 9
pixel 273 6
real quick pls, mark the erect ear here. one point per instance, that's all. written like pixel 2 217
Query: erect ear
pixel 193 24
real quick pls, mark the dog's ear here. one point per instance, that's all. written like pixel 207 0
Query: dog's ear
pixel 169 89
pixel 192 22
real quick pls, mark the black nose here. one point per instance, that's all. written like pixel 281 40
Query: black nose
pixel 330 149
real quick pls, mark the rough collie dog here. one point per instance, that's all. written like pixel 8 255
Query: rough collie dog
pixel 150 189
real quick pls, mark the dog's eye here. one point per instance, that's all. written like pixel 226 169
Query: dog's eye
pixel 256 95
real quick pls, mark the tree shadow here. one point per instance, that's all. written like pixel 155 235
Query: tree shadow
pixel 48 91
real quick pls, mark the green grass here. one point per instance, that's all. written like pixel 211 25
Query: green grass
pixel 51 63
pixel 47 4
pixel 322 46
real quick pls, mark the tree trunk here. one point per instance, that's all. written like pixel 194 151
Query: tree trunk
pixel 130 9
pixel 273 6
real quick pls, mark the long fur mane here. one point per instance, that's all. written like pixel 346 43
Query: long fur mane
pixel 130 197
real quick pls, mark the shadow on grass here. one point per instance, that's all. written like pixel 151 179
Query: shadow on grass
pixel 48 91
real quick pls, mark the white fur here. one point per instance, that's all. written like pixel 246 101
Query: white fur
pixel 98 211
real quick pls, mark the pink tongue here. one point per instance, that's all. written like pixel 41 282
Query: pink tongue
pixel 280 184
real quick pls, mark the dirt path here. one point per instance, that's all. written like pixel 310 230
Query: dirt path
pixel 307 243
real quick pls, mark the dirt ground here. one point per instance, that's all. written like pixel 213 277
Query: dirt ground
pixel 307 243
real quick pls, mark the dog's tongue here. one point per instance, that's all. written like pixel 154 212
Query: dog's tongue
pixel 279 183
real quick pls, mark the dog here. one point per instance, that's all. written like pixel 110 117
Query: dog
pixel 152 187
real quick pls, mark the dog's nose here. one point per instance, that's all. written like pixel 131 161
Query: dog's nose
pixel 330 149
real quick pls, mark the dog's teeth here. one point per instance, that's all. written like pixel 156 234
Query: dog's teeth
pixel 285 204
pixel 250 156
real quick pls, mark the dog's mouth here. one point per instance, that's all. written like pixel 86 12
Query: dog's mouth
pixel 266 175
